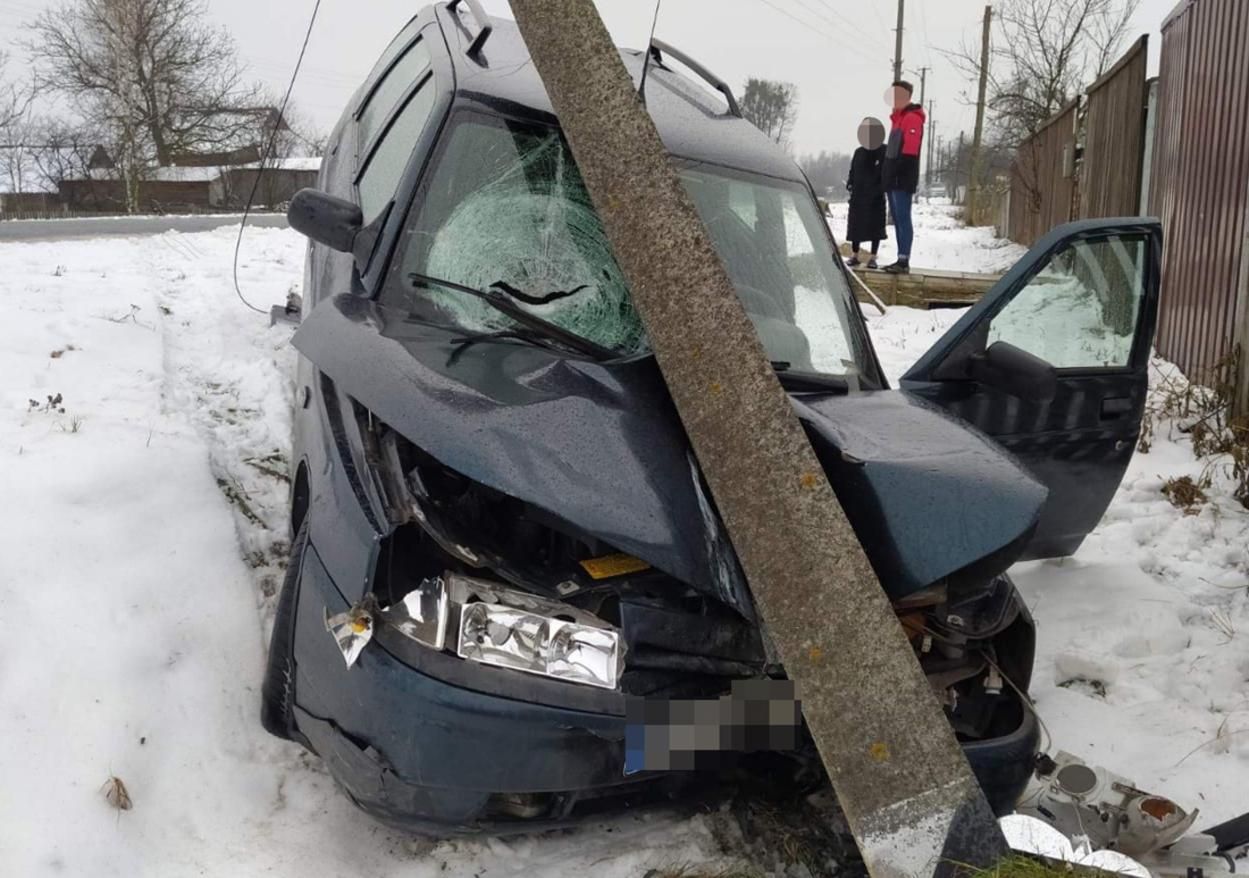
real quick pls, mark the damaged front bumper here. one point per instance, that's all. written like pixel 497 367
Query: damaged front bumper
pixel 428 742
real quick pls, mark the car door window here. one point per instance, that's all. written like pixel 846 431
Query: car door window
pixel 1080 311
pixel 388 93
pixel 390 157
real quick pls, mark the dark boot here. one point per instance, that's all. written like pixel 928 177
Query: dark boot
pixel 873 264
pixel 853 261
pixel 902 266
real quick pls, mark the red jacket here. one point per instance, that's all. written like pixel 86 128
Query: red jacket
pixel 906 142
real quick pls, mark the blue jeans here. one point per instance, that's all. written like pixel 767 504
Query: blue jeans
pixel 900 207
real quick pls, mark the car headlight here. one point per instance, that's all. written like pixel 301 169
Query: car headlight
pixel 497 626
pixel 510 629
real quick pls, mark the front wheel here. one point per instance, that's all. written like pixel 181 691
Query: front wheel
pixel 277 692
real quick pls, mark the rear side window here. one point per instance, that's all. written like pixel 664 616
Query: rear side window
pixel 390 157
pixel 410 67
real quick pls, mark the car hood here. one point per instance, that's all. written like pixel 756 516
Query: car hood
pixel 601 447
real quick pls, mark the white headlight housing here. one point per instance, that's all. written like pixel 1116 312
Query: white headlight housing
pixel 524 633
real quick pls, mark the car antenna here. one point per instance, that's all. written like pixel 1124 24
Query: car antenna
pixel 260 170
pixel 650 53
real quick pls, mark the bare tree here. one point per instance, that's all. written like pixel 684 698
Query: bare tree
pixel 771 106
pixel 152 73
pixel 62 150
pixel 1044 53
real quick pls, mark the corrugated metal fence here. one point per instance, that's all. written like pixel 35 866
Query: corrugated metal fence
pixel 1114 138
pixel 1043 186
pixel 1047 190
pixel 1200 186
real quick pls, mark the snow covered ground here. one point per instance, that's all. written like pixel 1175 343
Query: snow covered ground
pixel 941 241
pixel 144 421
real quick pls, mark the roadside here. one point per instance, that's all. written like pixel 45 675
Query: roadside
pixel 136 646
pixel 126 226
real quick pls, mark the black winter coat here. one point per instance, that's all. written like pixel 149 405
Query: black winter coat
pixel 867 196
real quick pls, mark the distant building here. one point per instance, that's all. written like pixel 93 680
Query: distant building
pixel 192 187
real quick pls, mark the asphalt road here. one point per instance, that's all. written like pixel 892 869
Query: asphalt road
pixel 98 227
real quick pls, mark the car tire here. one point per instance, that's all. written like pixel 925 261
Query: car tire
pixel 277 692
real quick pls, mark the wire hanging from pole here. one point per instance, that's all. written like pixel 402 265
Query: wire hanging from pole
pixel 260 169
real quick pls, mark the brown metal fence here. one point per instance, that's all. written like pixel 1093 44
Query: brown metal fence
pixel 1114 138
pixel 1043 183
pixel 1200 185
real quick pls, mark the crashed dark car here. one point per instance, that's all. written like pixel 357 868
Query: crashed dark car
pixel 501 537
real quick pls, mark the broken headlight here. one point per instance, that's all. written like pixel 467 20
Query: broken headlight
pixel 497 626
pixel 510 629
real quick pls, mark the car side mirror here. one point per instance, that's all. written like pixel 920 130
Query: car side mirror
pixel 325 219
pixel 1014 371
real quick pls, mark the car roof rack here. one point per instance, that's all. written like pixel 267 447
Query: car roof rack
pixel 659 46
pixel 483 22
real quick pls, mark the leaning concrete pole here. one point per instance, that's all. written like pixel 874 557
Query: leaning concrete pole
pixel 911 799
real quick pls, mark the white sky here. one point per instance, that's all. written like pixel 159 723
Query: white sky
pixel 838 52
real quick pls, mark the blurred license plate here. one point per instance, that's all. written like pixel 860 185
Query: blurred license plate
pixel 675 735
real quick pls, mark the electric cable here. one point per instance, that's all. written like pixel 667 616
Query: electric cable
pixel 260 169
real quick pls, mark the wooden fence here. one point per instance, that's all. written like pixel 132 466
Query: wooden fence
pixel 1087 161
pixel 1114 138
pixel 1043 181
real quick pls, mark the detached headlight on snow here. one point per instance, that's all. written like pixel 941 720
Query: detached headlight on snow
pixel 513 630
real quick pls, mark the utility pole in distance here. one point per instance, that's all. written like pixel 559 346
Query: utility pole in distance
pixel 932 136
pixel 900 776
pixel 973 184
pixel 923 85
pixel 897 52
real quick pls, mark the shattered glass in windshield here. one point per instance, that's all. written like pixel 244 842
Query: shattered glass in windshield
pixel 505 210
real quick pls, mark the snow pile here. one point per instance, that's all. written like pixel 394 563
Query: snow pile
pixel 145 527
pixel 941 241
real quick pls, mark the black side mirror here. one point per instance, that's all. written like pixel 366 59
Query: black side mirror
pixel 1015 371
pixel 325 219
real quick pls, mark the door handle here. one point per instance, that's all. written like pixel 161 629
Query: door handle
pixel 1116 407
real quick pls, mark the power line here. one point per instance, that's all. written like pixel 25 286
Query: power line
pixel 808 25
pixel 838 18
pixel 260 169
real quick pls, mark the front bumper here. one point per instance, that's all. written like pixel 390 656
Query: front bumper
pixel 473 754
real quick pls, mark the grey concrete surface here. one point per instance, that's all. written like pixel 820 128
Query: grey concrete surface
pixel 124 226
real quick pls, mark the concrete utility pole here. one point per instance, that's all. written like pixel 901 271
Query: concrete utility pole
pixel 897 52
pixel 923 85
pixel 973 185
pixel 901 778
pixel 932 136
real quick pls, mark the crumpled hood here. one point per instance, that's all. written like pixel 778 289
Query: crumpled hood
pixel 601 447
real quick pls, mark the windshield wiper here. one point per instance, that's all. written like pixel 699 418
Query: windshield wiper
pixel 809 382
pixel 506 306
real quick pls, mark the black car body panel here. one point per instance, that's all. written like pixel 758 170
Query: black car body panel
pixel 601 446
pixel 423 449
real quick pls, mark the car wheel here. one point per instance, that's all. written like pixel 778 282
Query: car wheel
pixel 277 692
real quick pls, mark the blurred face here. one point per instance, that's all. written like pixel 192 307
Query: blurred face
pixel 871 133
pixel 896 97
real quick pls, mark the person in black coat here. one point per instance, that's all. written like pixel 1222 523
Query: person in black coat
pixel 867 191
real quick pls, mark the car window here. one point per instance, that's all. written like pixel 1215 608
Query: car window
pixel 504 206
pixel 390 157
pixel 390 91
pixel 1081 310
pixel 397 45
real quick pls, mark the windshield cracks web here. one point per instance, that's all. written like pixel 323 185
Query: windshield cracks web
pixel 506 216
pixel 532 227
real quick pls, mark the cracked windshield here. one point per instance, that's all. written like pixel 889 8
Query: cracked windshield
pixel 505 211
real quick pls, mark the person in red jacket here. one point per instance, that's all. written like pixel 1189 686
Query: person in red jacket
pixel 901 168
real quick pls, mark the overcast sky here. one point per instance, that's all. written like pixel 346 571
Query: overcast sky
pixel 838 52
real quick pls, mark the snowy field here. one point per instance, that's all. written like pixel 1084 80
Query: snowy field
pixel 144 430
pixel 941 241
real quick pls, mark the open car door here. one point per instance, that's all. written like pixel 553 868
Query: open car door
pixel 1054 364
